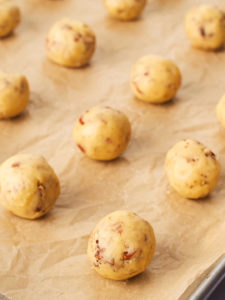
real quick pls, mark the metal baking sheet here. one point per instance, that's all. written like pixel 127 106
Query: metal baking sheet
pixel 211 282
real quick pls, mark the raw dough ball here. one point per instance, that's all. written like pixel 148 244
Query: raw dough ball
pixel 9 17
pixel 155 79
pixel 121 246
pixel 125 9
pixel 70 43
pixel 29 187
pixel 192 169
pixel 220 110
pixel 205 27
pixel 102 133
pixel 14 94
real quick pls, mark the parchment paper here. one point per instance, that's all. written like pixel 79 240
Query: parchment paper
pixel 46 258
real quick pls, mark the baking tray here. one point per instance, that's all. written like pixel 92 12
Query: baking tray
pixel 206 287
pixel 211 282
pixel 207 283
pixel 188 232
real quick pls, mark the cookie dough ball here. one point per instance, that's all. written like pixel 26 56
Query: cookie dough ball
pixel 205 27
pixel 220 111
pixel 29 187
pixel 14 94
pixel 192 169
pixel 125 9
pixel 121 246
pixel 9 17
pixel 102 133
pixel 70 43
pixel 155 79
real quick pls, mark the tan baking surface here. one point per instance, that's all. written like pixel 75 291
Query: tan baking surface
pixel 46 259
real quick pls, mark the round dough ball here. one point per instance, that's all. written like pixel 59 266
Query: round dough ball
pixel 102 133
pixel 220 111
pixel 14 94
pixel 192 169
pixel 9 17
pixel 70 43
pixel 205 27
pixel 125 9
pixel 121 246
pixel 29 187
pixel 155 79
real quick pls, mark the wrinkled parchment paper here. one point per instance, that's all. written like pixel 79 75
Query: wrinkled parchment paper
pixel 46 258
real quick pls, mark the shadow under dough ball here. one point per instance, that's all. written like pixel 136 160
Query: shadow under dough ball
pixel 121 245
pixel 192 169
pixel 102 133
pixel 29 187
pixel 9 17
pixel 205 27
pixel 70 43
pixel 125 10
pixel 155 79
pixel 14 94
